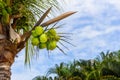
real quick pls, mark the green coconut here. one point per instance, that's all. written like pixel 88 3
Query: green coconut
pixel 51 45
pixel 35 41
pixel 34 33
pixel 42 45
pixel 57 37
pixel 39 30
pixel 43 38
pixel 52 32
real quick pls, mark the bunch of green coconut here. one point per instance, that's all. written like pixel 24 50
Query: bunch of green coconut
pixel 45 38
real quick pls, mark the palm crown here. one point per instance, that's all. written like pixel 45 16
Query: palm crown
pixel 19 19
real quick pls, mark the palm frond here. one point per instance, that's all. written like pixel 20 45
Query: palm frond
pixel 68 42
pixel 62 16
pixel 61 50
pixel 63 45
pixel 42 17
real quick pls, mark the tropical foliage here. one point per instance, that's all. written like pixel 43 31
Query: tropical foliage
pixel 104 67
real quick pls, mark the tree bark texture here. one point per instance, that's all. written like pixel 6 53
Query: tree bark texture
pixel 8 51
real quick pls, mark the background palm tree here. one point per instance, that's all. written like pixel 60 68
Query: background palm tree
pixel 66 71
pixel 17 20
pixel 60 70
pixel 41 78
pixel 103 67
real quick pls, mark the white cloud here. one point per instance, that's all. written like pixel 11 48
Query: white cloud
pixel 115 3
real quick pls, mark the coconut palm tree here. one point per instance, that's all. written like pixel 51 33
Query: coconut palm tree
pixel 60 70
pixel 104 67
pixel 111 64
pixel 17 20
pixel 66 71
pixel 107 66
pixel 41 78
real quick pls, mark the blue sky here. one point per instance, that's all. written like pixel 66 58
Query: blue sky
pixel 96 28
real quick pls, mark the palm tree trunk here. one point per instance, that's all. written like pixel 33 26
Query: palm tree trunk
pixel 7 55
pixel 5 71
